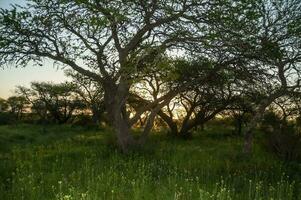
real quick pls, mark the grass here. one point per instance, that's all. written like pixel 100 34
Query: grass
pixel 64 162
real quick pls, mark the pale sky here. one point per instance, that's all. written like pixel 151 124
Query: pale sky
pixel 12 76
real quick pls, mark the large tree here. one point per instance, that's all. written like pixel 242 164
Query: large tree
pixel 278 54
pixel 267 37
pixel 108 41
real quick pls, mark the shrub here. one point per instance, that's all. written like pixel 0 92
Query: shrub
pixel 83 120
pixel 6 118
pixel 282 138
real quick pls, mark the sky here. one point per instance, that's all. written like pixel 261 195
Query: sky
pixel 11 76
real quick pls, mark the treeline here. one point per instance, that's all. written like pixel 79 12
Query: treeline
pixel 79 102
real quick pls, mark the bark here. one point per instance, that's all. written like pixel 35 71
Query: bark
pixel 151 118
pixel 170 123
pixel 96 115
pixel 248 143
pixel 238 127
pixel 115 100
pixel 124 138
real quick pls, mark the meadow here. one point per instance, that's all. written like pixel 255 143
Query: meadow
pixel 66 162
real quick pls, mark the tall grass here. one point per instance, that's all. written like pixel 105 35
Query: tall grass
pixel 84 166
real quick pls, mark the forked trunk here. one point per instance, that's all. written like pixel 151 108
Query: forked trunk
pixel 170 123
pixel 115 99
pixel 248 143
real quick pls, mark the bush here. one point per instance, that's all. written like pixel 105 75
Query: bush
pixel 83 120
pixel 6 118
pixel 286 144
pixel 282 138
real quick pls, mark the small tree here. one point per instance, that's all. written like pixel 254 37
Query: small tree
pixel 90 92
pixel 268 38
pixel 3 105
pixel 59 101
pixel 17 105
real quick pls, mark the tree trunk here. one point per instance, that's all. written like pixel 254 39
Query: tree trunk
pixel 239 121
pixel 202 126
pixel 115 101
pixel 115 98
pixel 151 119
pixel 248 143
pixel 95 116
pixel 259 112
pixel 170 123
pixel 124 138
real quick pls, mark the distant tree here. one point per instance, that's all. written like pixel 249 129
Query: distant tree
pixel 240 112
pixel 3 105
pixel 17 106
pixel 90 92
pixel 59 101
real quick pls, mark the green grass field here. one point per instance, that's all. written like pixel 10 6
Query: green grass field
pixel 64 162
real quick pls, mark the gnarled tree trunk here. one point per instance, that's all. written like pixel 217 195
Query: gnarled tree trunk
pixel 115 100
pixel 170 123
pixel 259 112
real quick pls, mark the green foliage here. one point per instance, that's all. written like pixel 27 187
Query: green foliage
pixel 252 42
pixel 76 163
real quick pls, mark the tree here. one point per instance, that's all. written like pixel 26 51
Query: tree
pixel 107 41
pixel 3 105
pixel 90 92
pixel 59 101
pixel 267 36
pixel 279 52
pixel 17 105
pixel 240 111
pixel 201 101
